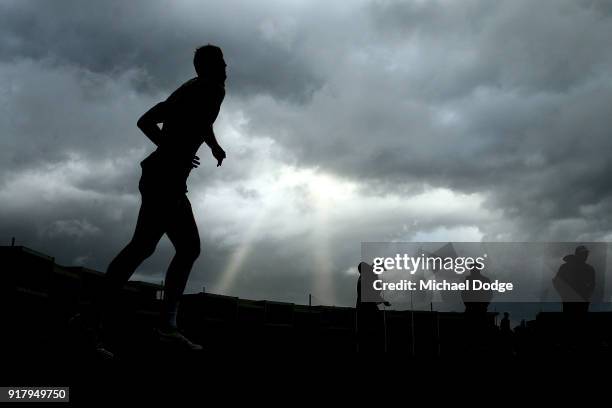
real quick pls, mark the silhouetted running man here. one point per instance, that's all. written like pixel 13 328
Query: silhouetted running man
pixel 575 282
pixel 187 118
pixel 370 328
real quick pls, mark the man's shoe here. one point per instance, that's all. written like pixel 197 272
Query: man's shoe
pixel 103 352
pixel 175 338
pixel 90 335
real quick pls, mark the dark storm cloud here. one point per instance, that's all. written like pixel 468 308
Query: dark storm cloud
pixel 50 113
pixel 507 98
pixel 544 46
pixel 158 37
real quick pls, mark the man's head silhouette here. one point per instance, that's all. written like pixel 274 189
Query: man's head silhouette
pixel 471 266
pixel 581 253
pixel 361 265
pixel 209 63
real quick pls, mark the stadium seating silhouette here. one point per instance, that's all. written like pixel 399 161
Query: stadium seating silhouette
pixel 38 297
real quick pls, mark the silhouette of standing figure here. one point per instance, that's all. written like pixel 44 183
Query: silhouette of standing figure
pixel 575 282
pixel 476 302
pixel 187 118
pixel 504 326
pixel 370 325
pixel 478 328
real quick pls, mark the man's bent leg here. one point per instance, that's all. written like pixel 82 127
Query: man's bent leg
pixel 183 233
pixel 150 227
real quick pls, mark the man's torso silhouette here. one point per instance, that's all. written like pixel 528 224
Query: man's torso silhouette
pixel 476 301
pixel 575 280
pixel 188 113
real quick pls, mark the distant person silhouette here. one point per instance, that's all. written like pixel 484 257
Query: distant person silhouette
pixel 506 334
pixel 366 273
pixel 476 301
pixel 187 118
pixel 370 324
pixel 575 282
pixel 504 325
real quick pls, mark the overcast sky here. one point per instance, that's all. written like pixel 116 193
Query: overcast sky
pixel 344 121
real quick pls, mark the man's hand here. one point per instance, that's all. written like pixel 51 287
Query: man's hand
pixel 195 162
pixel 219 154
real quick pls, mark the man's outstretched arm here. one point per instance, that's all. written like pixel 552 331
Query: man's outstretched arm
pixel 148 122
pixel 217 151
pixel 213 107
